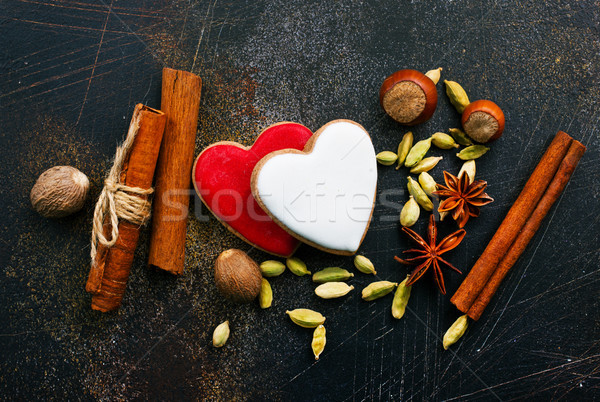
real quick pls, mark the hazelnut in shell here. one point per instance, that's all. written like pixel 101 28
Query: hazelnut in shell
pixel 59 191
pixel 409 97
pixel 237 276
pixel 483 121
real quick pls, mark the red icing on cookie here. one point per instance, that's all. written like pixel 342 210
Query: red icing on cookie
pixel 222 175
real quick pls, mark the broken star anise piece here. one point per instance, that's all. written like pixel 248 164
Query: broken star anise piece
pixel 463 197
pixel 428 255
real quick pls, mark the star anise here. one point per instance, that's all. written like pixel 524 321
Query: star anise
pixel 464 197
pixel 429 253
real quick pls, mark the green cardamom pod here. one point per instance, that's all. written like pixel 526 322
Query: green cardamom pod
pixel 318 341
pixel 332 274
pixel 455 332
pixel 332 290
pixel 404 147
pixel 434 75
pixel 272 268
pixel 401 299
pixel 375 290
pixel 306 318
pixel 387 158
pixel 427 183
pixel 460 136
pixel 221 334
pixel 458 96
pixel 265 297
pixel 420 197
pixel 426 164
pixel 410 213
pixel 417 152
pixel 443 141
pixel 296 266
pixel 364 265
pixel 469 168
pixel 472 152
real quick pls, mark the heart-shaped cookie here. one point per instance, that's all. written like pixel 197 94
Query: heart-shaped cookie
pixel 325 194
pixel 221 176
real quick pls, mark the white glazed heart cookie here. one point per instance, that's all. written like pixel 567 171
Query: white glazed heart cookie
pixel 325 194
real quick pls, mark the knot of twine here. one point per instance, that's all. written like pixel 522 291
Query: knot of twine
pixel 118 200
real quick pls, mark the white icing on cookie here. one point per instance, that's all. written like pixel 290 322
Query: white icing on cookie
pixel 326 196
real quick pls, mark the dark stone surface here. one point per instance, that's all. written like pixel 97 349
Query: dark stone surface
pixel 70 75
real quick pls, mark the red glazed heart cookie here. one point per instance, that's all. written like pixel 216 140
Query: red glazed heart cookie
pixel 221 176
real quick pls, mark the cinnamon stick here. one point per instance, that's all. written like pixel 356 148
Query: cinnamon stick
pixel 110 269
pixel 534 222
pixel 180 102
pixel 515 219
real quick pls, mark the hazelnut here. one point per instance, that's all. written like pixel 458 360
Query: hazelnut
pixel 59 191
pixel 409 97
pixel 237 276
pixel 483 121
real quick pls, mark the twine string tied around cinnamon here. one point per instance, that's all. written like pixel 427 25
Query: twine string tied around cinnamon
pixel 118 200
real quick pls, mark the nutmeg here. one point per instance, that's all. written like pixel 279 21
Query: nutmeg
pixel 483 121
pixel 59 191
pixel 408 96
pixel 237 276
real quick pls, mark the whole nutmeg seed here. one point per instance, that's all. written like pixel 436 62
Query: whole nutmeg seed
pixel 483 121
pixel 408 96
pixel 59 191
pixel 237 276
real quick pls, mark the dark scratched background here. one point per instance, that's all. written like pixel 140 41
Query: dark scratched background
pixel 71 72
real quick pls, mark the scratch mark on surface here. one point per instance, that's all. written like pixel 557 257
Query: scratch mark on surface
pixel 61 76
pixel 201 35
pixel 138 37
pixel 148 91
pixel 435 335
pixel 187 10
pixel 537 125
pixel 467 33
pixel 537 373
pixel 95 8
pixel 570 285
pixel 149 351
pixel 219 37
pixel 87 90
pixel 75 27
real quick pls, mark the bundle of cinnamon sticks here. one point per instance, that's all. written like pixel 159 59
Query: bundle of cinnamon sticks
pixel 524 218
pixel 163 143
